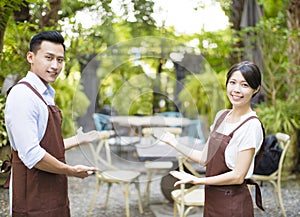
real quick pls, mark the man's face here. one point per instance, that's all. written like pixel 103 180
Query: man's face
pixel 48 61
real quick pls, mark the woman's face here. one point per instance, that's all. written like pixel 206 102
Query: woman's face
pixel 239 91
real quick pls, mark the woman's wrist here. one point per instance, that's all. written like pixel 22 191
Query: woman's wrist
pixel 199 181
pixel 174 143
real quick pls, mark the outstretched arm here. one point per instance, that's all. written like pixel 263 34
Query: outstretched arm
pixel 170 139
pixel 81 138
pixel 235 176
pixel 50 164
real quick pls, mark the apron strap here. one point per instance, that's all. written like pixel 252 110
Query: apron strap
pixel 34 90
pixel 220 119
pixel 251 117
pixel 258 199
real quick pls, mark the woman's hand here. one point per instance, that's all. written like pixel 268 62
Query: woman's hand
pixel 166 137
pixel 185 178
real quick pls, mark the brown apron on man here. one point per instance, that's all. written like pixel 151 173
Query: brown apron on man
pixel 226 200
pixel 37 193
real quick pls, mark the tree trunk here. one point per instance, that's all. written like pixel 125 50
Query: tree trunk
pixel 51 17
pixel 157 93
pixel 90 82
pixel 3 23
pixel 22 14
pixel 235 18
pixel 293 21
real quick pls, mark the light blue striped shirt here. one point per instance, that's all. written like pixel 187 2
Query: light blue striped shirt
pixel 26 117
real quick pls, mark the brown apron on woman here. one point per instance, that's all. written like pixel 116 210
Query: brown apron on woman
pixel 38 193
pixel 226 200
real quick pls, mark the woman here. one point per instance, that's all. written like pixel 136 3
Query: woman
pixel 235 138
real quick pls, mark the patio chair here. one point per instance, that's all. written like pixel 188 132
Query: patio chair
pixel 194 129
pixel 119 135
pixel 102 122
pixel 186 199
pixel 112 175
pixel 275 177
pixel 154 167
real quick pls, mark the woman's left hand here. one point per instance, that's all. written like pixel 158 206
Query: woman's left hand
pixel 184 178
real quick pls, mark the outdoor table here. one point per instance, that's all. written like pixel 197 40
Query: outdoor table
pixel 153 149
pixel 138 122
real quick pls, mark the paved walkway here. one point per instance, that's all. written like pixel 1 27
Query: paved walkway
pixel 81 192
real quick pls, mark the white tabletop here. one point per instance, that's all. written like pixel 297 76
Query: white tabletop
pixel 152 149
pixel 150 121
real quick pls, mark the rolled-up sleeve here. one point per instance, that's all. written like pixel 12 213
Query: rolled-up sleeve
pixel 24 124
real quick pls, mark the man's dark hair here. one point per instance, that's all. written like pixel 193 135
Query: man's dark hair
pixel 52 36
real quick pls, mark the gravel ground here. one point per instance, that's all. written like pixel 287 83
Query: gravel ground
pixel 81 192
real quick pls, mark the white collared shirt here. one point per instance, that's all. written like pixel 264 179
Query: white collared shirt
pixel 26 117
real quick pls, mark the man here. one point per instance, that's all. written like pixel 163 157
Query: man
pixel 33 121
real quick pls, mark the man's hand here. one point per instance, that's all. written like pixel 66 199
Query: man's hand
pixel 87 137
pixel 81 171
pixel 50 164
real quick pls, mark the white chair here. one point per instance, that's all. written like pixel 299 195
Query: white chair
pixel 120 137
pixel 154 167
pixel 113 175
pixel 275 177
pixel 186 199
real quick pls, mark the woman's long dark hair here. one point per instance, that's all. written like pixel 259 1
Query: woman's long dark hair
pixel 250 72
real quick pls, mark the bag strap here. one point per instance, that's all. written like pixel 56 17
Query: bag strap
pixel 262 147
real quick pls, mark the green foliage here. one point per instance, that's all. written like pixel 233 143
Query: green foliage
pixel 3 134
pixel 6 9
pixel 216 47
pixel 226 6
pixel 273 7
pixel 273 44
pixel 205 91
pixel 70 7
pixel 283 117
pixel 72 102
pixel 128 90
pixel 281 111
pixel 16 44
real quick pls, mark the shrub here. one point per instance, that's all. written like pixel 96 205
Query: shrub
pixel 3 134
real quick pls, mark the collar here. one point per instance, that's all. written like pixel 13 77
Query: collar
pixel 38 84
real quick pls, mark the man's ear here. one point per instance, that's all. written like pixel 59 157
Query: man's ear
pixel 29 57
